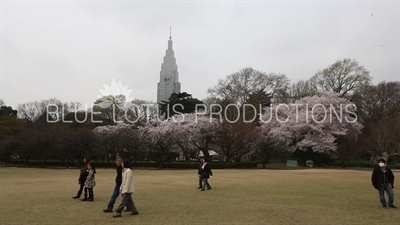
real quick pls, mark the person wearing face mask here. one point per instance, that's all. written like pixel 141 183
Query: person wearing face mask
pixel 383 180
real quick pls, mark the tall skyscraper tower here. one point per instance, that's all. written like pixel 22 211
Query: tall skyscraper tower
pixel 169 76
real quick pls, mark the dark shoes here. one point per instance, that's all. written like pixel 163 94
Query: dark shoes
pixel 209 188
pixel 119 215
pixel 199 187
pixel 76 197
pixel 107 210
pixel 393 207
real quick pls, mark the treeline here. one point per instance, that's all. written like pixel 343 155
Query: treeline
pixel 53 130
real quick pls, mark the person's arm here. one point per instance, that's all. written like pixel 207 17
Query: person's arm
pixel 81 176
pixel 391 177
pixel 373 179
pixel 210 171
pixel 122 183
pixel 127 181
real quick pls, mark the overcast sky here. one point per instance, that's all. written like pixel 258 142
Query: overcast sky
pixel 68 50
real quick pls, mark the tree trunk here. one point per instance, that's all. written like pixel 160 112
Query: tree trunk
pixel 187 157
pixel 227 157
pixel 238 158
pixel 206 155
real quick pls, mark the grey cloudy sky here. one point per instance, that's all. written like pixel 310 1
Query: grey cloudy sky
pixel 68 50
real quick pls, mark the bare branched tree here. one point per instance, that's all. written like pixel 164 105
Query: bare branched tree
pixel 343 77
pixel 237 87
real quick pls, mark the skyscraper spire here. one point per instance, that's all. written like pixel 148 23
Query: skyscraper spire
pixel 169 76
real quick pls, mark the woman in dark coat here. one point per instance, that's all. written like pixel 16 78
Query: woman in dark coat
pixel 206 173
pixel 82 177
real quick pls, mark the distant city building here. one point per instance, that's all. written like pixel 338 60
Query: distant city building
pixel 169 76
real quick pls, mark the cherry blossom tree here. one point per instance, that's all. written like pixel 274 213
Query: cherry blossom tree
pixel 190 131
pixel 236 139
pixel 226 136
pixel 160 142
pixel 202 129
pixel 113 139
pixel 267 146
pixel 313 122
pixel 183 137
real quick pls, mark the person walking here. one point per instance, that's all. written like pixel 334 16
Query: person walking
pixel 90 183
pixel 199 175
pixel 383 180
pixel 206 173
pixel 118 181
pixel 82 177
pixel 126 189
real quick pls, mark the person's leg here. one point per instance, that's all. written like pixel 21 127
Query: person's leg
pixel 78 195
pixel 200 182
pixel 91 197
pixel 204 183
pixel 113 198
pixel 81 186
pixel 390 193
pixel 86 195
pixel 382 196
pixel 208 185
pixel 122 205
pixel 131 205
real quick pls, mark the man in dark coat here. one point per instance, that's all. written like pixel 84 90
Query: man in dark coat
pixel 383 180
pixel 206 173
pixel 118 181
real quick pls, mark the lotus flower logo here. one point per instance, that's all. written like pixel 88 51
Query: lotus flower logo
pixel 116 94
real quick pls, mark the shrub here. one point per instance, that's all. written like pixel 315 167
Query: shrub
pixel 359 163
pixel 150 164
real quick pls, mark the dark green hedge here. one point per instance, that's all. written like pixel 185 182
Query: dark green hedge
pixel 362 163
pixel 175 165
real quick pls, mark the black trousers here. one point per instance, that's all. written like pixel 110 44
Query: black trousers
pixel 81 185
pixel 90 192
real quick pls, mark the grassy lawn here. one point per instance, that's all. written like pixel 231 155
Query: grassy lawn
pixel 311 196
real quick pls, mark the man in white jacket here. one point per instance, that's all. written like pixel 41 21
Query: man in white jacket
pixel 126 190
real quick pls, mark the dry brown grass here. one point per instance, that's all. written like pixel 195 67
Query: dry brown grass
pixel 312 196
